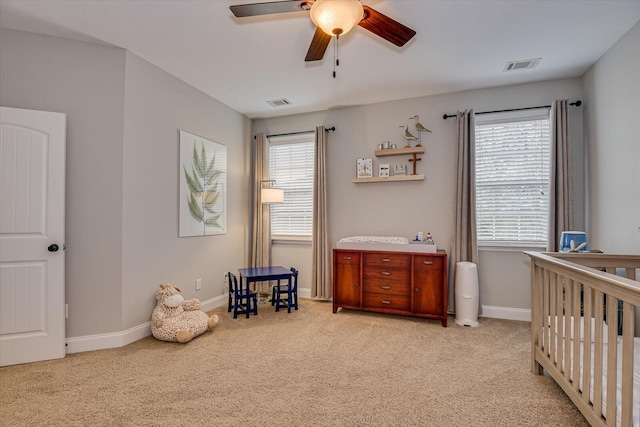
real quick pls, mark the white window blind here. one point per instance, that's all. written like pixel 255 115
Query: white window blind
pixel 512 177
pixel 291 165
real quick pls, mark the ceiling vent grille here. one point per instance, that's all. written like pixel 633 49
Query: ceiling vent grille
pixel 525 64
pixel 279 102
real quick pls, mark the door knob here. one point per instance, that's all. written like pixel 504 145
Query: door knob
pixel 53 248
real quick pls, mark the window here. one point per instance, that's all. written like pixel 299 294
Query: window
pixel 512 178
pixel 291 165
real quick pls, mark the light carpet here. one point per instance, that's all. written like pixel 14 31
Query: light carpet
pixel 307 368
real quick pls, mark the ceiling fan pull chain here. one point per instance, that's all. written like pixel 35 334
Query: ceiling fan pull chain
pixel 336 60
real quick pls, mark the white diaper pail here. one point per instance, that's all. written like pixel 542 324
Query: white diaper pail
pixel 467 294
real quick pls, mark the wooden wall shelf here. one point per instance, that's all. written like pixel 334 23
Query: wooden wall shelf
pixel 400 152
pixel 406 151
pixel 389 178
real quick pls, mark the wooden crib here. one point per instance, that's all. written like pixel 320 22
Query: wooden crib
pixel 566 289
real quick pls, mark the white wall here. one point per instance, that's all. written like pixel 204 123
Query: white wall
pixel 123 117
pixel 404 208
pixel 157 105
pixel 85 81
pixel 612 109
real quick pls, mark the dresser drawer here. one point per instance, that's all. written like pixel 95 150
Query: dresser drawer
pixel 387 260
pixel 389 302
pixel 428 262
pixel 352 258
pixel 384 287
pixel 391 275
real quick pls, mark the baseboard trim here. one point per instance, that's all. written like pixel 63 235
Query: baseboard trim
pixel 212 303
pixel 120 339
pixel 507 313
pixel 304 292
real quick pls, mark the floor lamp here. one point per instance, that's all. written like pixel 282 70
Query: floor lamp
pixel 269 196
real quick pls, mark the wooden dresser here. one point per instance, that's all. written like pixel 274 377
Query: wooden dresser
pixel 405 283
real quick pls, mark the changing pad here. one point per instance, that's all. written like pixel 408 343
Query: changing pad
pixel 376 239
pixel 384 243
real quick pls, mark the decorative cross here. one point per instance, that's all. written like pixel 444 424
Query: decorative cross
pixel 414 161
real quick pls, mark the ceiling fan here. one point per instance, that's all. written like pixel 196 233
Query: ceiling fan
pixel 332 18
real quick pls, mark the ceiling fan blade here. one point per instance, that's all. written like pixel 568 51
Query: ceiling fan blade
pixel 318 46
pixel 385 27
pixel 255 9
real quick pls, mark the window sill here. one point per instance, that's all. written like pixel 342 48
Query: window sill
pixel 291 240
pixel 511 247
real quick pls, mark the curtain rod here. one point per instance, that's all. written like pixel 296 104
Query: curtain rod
pixel 577 104
pixel 331 129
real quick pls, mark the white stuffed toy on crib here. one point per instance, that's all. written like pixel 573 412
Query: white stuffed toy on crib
pixel 176 319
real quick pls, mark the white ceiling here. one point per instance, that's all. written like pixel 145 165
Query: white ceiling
pixel 460 45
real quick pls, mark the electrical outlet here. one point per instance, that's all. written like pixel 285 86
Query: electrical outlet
pixel 225 279
pixel 198 284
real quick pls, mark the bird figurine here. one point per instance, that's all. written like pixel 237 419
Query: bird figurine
pixel 420 128
pixel 419 125
pixel 408 135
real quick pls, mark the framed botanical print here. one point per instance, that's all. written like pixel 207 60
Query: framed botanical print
pixel 203 186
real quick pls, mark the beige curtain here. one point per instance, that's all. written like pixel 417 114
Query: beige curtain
pixel 465 243
pixel 261 230
pixel 560 182
pixel 321 281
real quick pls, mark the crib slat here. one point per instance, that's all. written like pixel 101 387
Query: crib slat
pixel 567 316
pixel 597 368
pixel 559 317
pixel 628 314
pixel 545 315
pixel 586 353
pixel 612 360
pixel 536 294
pixel 630 273
pixel 554 318
pixel 576 343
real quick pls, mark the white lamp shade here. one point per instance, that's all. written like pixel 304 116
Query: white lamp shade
pixel 272 195
pixel 336 17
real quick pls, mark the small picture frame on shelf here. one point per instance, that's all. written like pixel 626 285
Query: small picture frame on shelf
pixel 364 168
pixel 400 170
pixel 384 170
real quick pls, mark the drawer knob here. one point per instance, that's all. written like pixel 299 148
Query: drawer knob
pixel 386 259
pixel 417 289
pixel 386 301
pixel 428 262
pixel 387 287
pixel 385 273
pixel 347 258
pixel 357 284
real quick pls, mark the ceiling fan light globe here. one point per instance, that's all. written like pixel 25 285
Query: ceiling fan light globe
pixel 336 17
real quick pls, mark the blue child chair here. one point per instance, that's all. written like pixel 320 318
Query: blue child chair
pixel 285 295
pixel 242 300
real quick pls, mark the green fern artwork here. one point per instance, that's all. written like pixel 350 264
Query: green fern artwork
pixel 203 210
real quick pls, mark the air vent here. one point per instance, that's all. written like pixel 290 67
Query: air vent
pixel 525 64
pixel 279 102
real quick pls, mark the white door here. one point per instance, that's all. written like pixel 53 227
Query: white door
pixel 32 179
